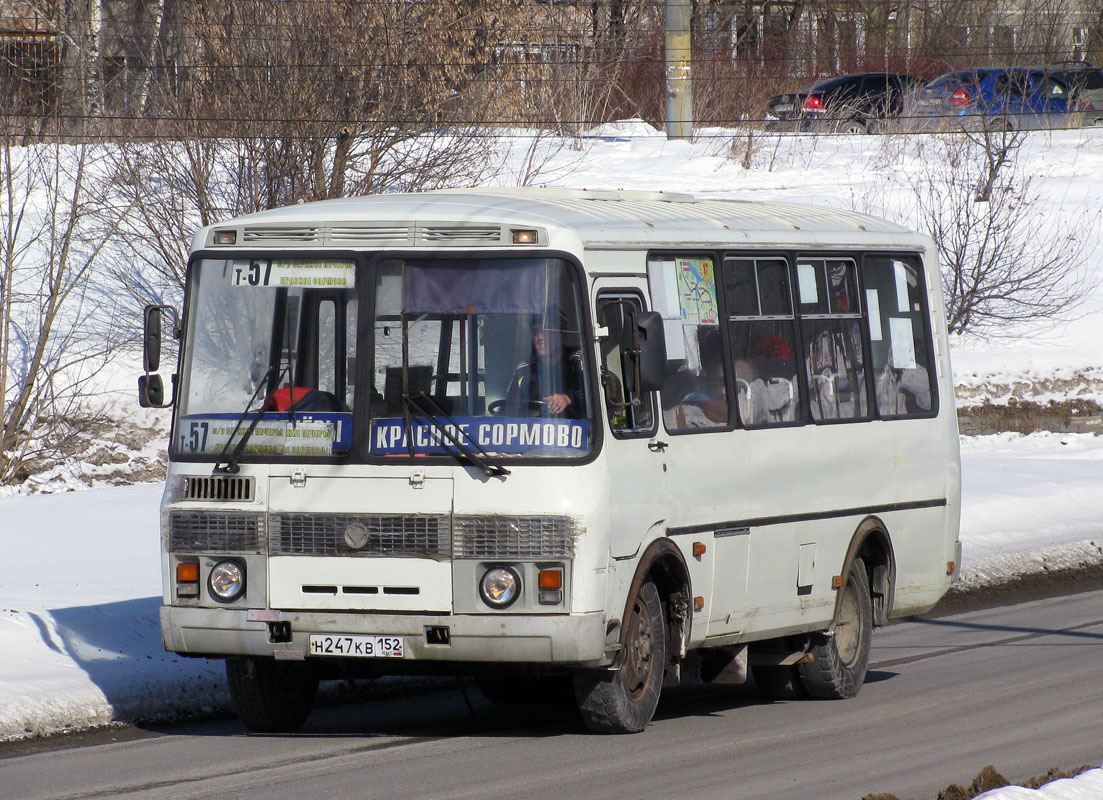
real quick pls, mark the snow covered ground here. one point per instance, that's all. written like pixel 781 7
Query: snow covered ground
pixel 80 570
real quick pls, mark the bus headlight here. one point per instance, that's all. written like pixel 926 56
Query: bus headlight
pixel 499 587
pixel 227 581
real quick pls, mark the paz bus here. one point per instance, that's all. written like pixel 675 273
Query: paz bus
pixel 616 440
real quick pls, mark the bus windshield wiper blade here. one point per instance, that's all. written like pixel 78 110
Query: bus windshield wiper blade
pixel 424 406
pixel 230 465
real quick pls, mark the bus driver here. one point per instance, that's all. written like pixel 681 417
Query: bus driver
pixel 550 381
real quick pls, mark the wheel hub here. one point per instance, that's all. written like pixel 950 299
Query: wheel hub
pixel 638 651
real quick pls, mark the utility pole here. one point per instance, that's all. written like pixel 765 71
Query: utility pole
pixel 679 85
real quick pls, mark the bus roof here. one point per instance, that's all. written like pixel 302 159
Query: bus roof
pixel 484 216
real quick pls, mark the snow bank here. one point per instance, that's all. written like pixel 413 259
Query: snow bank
pixel 1085 786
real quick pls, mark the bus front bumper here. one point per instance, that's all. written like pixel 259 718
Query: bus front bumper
pixel 577 639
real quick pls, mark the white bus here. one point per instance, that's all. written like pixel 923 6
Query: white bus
pixel 617 439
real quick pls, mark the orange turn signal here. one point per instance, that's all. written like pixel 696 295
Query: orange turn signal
pixel 837 582
pixel 698 549
pixel 187 572
pixel 550 579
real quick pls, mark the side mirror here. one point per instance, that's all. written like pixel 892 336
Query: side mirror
pixel 151 342
pixel 151 391
pixel 652 348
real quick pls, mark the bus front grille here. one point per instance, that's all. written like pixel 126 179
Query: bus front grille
pixel 215 531
pixel 435 536
pixel 513 537
pixel 425 535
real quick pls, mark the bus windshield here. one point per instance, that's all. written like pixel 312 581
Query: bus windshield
pixel 468 358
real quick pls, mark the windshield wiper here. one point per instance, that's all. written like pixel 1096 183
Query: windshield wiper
pixel 424 406
pixel 231 465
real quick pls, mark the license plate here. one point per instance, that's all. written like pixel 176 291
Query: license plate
pixel 356 645
pixel 782 109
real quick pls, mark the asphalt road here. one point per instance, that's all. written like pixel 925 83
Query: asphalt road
pixel 1017 687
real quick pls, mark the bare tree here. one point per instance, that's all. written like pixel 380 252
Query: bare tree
pixel 1002 262
pixel 55 332
pixel 295 102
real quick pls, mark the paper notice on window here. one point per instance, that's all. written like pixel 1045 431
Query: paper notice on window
pixel 697 291
pixel 903 305
pixel 903 346
pixel 873 305
pixel 806 281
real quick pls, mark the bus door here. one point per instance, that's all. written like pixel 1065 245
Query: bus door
pixel 638 477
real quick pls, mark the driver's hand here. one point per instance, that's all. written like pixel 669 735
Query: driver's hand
pixel 557 403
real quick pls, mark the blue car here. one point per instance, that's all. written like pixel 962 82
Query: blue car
pixel 1010 98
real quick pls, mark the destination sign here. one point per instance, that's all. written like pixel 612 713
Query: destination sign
pixel 492 434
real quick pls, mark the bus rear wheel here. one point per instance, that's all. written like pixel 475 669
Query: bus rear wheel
pixel 839 664
pixel 624 700
pixel 271 696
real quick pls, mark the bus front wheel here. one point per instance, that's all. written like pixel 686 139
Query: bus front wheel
pixel 271 696
pixel 839 663
pixel 624 700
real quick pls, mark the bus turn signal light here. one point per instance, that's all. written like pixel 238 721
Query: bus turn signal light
pixel 550 579
pixel 187 579
pixel 188 572
pixel 837 582
pixel 550 585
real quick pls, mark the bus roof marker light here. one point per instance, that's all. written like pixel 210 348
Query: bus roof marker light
pixel 225 236
pixel 525 236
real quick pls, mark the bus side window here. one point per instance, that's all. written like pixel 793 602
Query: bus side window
pixel 762 329
pixel 831 329
pixel 630 411
pixel 901 355
pixel 694 391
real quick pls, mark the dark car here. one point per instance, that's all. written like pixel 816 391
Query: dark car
pixel 1086 81
pixel 1003 98
pixel 846 103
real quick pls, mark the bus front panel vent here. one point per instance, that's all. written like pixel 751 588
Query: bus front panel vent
pixel 460 234
pixel 280 235
pixel 234 489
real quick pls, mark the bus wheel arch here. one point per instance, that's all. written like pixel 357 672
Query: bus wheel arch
pixel 653 633
pixel 871 544
pixel 840 655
